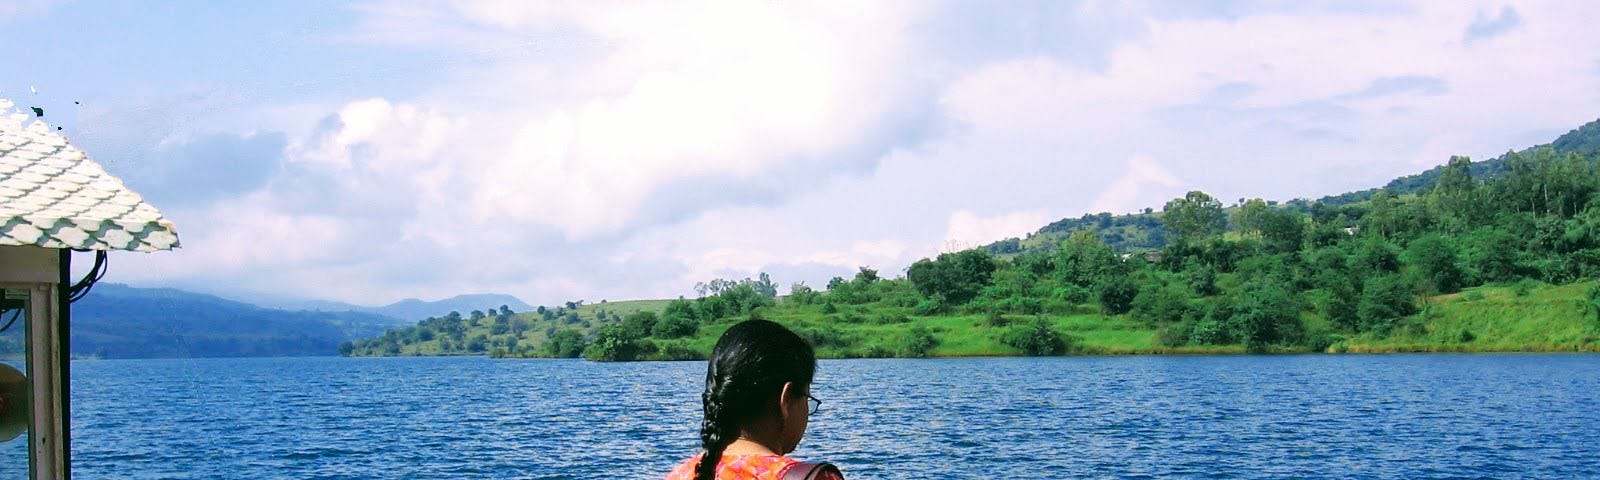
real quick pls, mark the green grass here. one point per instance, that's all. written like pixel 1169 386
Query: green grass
pixel 1495 319
pixel 1483 319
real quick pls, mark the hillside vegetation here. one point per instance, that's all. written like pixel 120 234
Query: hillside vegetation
pixel 1464 258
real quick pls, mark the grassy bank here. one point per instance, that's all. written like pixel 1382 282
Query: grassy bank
pixel 1496 319
pixel 1500 318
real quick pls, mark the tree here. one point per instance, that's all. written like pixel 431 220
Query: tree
pixel 1159 304
pixel 675 327
pixel 565 343
pixel 1374 256
pixel 1282 230
pixel 679 308
pixel 1594 303
pixel 1434 257
pixel 801 294
pixel 1492 254
pixel 1083 259
pixel 957 277
pixel 615 343
pixel 1249 216
pixel 639 324
pixel 1202 278
pixel 1267 314
pixel 1456 195
pixel 1195 216
pixel 1384 301
pixel 917 343
pixel 1116 294
pixel 764 286
pixel 865 277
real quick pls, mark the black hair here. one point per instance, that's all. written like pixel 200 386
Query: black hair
pixel 748 367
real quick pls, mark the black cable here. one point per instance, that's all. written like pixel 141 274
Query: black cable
pixel 13 320
pixel 77 291
pixel 97 272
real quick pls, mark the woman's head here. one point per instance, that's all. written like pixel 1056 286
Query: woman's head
pixel 757 380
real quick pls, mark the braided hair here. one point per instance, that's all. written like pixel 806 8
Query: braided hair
pixel 748 367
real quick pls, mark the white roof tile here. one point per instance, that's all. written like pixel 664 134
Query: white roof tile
pixel 52 195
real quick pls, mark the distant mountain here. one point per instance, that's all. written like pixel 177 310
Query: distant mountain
pixel 413 309
pixel 118 321
pixel 410 309
pixel 284 302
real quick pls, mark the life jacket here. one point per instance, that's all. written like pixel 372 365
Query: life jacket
pixel 810 470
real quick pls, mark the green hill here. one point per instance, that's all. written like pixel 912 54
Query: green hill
pixel 1470 256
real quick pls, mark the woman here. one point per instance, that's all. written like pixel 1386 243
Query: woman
pixel 757 403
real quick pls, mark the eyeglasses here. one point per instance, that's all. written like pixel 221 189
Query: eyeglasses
pixel 815 404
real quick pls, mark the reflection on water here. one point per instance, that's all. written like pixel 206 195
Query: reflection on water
pixel 1129 417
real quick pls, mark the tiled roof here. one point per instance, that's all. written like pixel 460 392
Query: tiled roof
pixel 52 195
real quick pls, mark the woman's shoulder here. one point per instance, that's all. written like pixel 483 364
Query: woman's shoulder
pixel 747 467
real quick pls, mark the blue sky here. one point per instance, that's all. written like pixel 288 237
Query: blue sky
pixel 372 151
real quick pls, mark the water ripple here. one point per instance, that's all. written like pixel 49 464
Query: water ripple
pixel 1400 416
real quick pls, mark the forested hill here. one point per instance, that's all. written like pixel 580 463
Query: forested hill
pixel 1462 259
pixel 1583 141
pixel 118 321
pixel 1144 231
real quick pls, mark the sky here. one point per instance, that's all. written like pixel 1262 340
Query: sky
pixel 371 151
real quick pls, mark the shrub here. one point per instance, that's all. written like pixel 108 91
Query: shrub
pixel 640 324
pixel 675 327
pixel 1174 335
pixel 890 318
pixel 1116 294
pixel 875 351
pixel 615 343
pixel 1158 304
pixel 825 336
pixel 678 351
pixel 1384 301
pixel 1074 294
pixel 1324 342
pixel 1037 338
pixel 802 294
pixel 918 343
pixel 1523 287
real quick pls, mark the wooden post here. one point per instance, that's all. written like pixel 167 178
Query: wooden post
pixel 41 272
pixel 44 369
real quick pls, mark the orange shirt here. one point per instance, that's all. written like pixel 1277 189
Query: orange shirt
pixel 744 467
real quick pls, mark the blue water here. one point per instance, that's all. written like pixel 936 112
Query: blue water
pixel 1389 416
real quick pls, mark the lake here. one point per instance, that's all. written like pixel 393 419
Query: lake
pixel 1350 416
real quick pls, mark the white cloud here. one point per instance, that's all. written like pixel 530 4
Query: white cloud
pixel 601 150
pixel 684 92
pixel 1129 193
pixel 966 229
pixel 15 9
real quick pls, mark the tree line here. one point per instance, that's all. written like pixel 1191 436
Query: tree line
pixel 1268 276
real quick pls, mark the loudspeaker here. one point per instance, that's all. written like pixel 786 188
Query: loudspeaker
pixel 14 400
